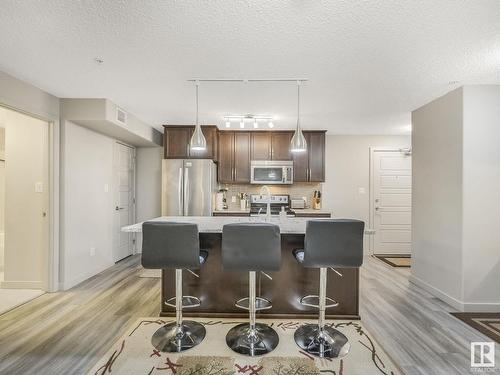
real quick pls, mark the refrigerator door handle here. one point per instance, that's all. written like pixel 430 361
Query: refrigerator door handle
pixel 186 190
pixel 180 192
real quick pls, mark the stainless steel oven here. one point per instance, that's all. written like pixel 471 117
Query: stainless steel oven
pixel 269 172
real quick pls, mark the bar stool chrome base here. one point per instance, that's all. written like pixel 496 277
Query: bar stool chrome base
pixel 262 340
pixel 327 343
pixel 172 338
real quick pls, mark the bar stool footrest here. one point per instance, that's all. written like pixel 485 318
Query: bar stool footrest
pixel 260 303
pixel 313 301
pixel 187 302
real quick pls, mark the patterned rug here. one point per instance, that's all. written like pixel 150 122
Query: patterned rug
pixel 486 323
pixel 134 354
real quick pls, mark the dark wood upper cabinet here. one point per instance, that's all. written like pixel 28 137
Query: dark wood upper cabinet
pixel 241 157
pixel 280 145
pixel 176 142
pixel 234 157
pixel 260 146
pixel 225 172
pixel 316 150
pixel 309 166
pixel 301 165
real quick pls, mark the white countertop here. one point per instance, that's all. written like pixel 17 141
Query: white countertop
pixel 214 224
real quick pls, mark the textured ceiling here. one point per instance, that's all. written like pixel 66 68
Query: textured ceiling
pixel 369 63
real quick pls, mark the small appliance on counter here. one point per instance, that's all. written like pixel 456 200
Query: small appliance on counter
pixel 220 200
pixel 297 203
pixel 279 203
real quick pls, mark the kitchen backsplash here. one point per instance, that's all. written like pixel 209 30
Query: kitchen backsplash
pixel 297 190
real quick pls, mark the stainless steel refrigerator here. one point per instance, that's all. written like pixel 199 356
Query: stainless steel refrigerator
pixel 188 187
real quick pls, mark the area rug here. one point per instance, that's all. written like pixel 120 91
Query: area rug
pixel 486 323
pixel 134 354
pixel 395 261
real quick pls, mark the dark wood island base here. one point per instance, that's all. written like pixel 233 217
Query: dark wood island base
pixel 218 289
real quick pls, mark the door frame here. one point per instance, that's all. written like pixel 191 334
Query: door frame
pixel 50 276
pixel 371 230
pixel 134 186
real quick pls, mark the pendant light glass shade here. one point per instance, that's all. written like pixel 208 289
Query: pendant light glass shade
pixel 298 142
pixel 198 141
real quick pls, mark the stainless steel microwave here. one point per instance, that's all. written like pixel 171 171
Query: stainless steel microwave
pixel 269 172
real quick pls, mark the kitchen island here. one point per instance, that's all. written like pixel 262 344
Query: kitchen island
pixel 219 289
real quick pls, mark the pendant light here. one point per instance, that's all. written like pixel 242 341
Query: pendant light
pixel 298 142
pixel 198 141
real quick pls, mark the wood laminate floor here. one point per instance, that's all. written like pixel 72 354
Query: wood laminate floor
pixel 67 332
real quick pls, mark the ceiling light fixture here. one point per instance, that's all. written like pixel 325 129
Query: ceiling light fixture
pixel 198 141
pixel 298 142
pixel 242 119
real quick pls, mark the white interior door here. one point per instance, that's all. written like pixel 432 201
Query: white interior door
pixel 391 202
pixel 124 198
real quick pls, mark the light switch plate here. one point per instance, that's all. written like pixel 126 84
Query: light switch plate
pixel 361 190
pixel 38 187
pixel 92 251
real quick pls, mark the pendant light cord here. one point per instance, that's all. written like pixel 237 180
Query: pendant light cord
pixel 298 104
pixel 197 84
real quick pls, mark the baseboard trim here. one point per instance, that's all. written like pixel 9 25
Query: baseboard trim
pixel 81 278
pixel 481 307
pixel 453 302
pixel 21 284
pixel 461 306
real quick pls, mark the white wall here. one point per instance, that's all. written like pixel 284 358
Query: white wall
pixel 148 181
pixel 481 196
pixel 456 209
pixel 148 186
pixel 86 206
pixel 348 169
pixel 437 192
pixel 2 195
pixel 27 98
pixel 26 239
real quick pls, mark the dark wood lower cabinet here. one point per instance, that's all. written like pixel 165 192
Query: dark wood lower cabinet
pixel 219 289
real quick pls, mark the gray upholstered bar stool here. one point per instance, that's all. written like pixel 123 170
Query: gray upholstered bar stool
pixel 174 245
pixel 252 247
pixel 328 244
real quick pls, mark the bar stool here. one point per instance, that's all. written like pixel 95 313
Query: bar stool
pixel 174 245
pixel 252 247
pixel 327 244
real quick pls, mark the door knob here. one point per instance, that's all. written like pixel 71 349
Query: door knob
pixel 119 208
pixel 376 208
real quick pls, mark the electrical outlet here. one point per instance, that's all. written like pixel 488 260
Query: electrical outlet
pixel 361 190
pixel 92 251
pixel 233 199
pixel 106 188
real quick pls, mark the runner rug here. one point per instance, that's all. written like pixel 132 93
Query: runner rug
pixel 134 354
